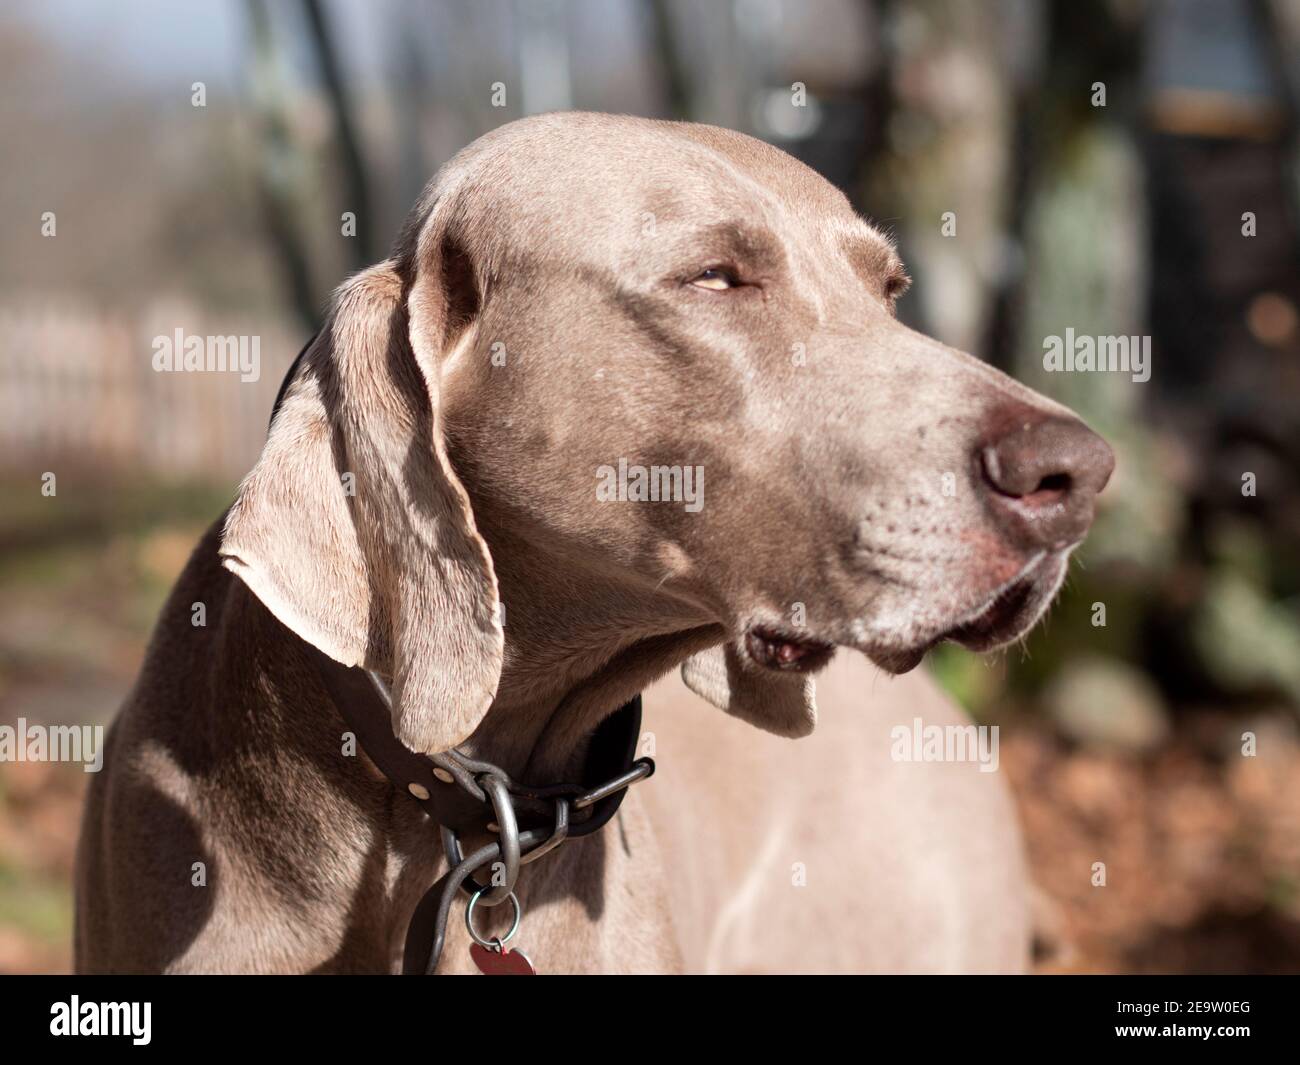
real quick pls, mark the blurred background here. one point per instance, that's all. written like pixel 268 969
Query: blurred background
pixel 1119 168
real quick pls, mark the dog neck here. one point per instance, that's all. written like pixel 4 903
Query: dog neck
pixel 579 643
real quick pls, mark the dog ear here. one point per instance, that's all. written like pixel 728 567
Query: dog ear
pixel 354 530
pixel 781 703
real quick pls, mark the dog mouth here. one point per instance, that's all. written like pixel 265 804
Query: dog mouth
pixel 999 620
pixel 1008 613
pixel 786 652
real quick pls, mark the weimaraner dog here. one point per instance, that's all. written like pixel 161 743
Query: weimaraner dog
pixel 453 497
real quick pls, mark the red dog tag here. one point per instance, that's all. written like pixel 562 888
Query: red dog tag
pixel 503 962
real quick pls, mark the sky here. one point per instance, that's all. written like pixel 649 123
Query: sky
pixel 153 44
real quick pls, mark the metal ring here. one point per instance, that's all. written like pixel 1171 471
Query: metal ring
pixel 641 769
pixel 558 835
pixel 508 834
pixel 455 855
pixel 497 942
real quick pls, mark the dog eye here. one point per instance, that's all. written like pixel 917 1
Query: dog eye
pixel 716 279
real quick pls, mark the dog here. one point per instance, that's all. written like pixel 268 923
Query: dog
pixel 453 495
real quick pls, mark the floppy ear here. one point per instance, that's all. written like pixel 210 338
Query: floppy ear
pixel 353 529
pixel 781 703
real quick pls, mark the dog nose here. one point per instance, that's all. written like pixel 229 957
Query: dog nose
pixel 1042 479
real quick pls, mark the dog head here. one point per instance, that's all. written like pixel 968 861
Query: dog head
pixel 666 355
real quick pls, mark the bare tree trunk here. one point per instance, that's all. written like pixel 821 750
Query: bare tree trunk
pixel 676 85
pixel 365 246
pixel 277 166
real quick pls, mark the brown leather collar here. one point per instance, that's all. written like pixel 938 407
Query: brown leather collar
pixel 461 796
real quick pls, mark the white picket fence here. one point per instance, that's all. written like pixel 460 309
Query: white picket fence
pixel 77 384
